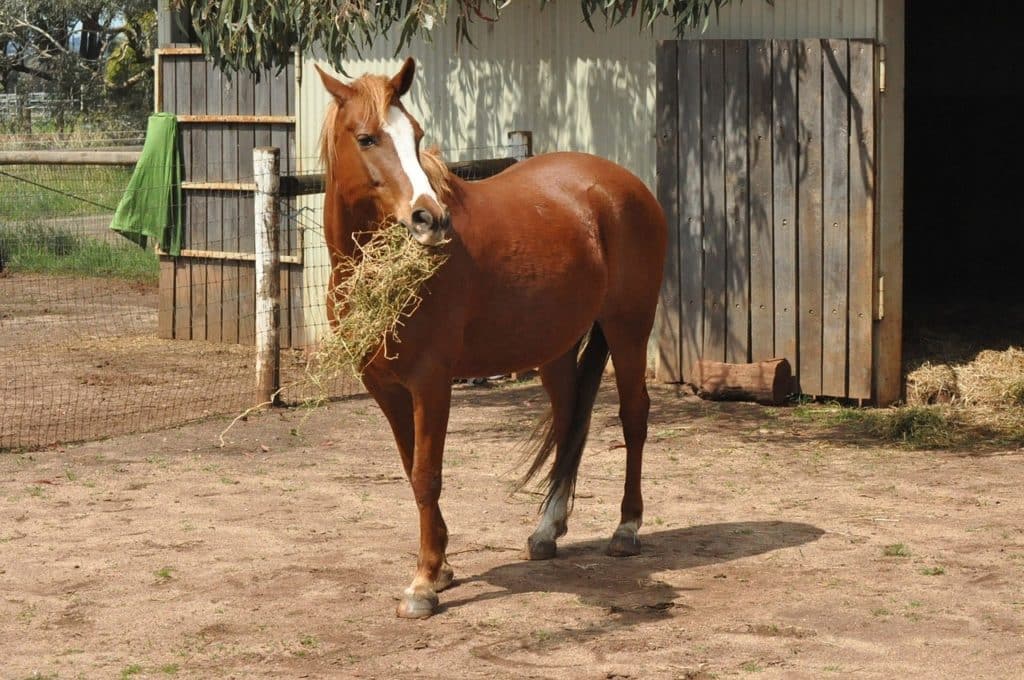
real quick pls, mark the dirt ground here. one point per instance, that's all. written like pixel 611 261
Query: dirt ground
pixel 79 359
pixel 772 548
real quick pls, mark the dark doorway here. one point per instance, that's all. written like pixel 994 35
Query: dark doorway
pixel 964 223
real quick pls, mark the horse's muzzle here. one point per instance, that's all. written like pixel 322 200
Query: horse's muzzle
pixel 427 229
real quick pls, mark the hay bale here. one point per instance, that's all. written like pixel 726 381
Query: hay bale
pixel 380 285
pixel 993 378
pixel 932 384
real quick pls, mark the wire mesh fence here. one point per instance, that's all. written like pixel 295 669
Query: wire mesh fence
pixel 99 336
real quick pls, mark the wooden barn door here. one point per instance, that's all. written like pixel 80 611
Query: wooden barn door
pixel 766 170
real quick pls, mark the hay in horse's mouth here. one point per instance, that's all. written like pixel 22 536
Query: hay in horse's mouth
pixel 379 285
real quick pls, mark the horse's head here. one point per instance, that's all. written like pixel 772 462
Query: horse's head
pixel 371 150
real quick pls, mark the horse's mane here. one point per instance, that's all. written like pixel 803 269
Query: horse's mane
pixel 375 95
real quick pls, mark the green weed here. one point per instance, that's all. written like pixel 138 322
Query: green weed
pixel 896 550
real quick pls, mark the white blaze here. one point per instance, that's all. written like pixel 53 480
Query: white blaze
pixel 402 135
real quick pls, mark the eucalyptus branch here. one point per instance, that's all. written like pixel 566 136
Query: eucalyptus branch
pixel 254 35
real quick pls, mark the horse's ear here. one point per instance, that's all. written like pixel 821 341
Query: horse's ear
pixel 403 80
pixel 338 89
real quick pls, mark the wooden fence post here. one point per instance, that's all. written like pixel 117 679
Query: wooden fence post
pixel 266 169
pixel 521 142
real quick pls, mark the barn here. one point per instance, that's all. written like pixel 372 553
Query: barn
pixel 832 170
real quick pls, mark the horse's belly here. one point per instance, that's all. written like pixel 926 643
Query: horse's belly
pixel 515 336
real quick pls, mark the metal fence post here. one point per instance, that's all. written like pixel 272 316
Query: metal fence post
pixel 266 170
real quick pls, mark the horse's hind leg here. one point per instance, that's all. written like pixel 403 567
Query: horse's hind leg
pixel 559 380
pixel 629 356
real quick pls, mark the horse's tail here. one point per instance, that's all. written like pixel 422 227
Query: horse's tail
pixel 590 367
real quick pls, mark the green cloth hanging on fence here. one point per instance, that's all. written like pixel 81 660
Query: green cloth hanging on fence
pixel 151 205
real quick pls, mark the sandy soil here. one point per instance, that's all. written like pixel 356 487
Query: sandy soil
pixel 79 359
pixel 772 548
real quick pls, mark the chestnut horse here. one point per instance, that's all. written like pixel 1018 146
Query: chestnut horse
pixel 553 263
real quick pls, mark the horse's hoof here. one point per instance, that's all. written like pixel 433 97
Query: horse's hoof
pixel 418 606
pixel 539 549
pixel 624 544
pixel 444 577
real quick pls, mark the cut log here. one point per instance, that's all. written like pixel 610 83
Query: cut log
pixel 766 382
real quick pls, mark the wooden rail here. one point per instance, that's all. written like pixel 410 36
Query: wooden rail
pixel 82 157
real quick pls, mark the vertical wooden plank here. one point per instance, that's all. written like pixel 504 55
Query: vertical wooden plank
pixel 737 203
pixel 229 208
pixel 297 295
pixel 165 306
pixel 785 160
pixel 863 180
pixel 183 266
pixel 809 218
pixel 214 171
pixel 198 285
pixel 229 301
pixel 284 329
pixel 182 298
pixel 196 163
pixel 667 323
pixel 762 294
pixel 835 157
pixel 246 303
pixel 691 208
pixel 246 142
pixel 712 73
pixel 168 86
pixel 888 340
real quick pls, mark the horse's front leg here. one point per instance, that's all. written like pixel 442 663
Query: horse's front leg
pixel 431 404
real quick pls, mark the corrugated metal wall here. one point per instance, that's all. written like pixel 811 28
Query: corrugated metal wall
pixel 547 72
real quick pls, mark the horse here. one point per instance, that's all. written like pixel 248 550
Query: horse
pixel 554 263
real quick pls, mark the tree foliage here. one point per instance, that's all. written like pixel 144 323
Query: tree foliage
pixel 93 51
pixel 252 35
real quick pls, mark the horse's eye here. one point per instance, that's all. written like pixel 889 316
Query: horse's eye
pixel 366 141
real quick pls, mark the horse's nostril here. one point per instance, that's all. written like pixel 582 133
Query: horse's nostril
pixel 422 219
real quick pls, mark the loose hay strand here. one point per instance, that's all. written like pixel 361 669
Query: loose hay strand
pixel 380 286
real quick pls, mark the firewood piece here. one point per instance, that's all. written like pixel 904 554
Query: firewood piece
pixel 766 382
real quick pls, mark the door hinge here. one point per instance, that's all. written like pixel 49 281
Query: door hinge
pixel 881 69
pixel 880 311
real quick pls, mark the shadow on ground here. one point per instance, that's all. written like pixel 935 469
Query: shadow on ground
pixel 628 587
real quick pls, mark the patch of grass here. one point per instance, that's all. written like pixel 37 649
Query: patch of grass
pixel 915 426
pixel 933 571
pixel 896 550
pixel 542 635
pixel 752 667
pixel 46 250
pixel 170 669
pixel 37 191
pixel 309 642
pixel 163 574
pixel 130 671
pixel 880 611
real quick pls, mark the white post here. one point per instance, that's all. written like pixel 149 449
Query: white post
pixel 266 170
pixel 521 144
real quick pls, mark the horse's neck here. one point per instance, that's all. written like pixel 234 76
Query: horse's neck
pixel 342 221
